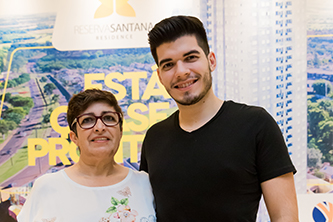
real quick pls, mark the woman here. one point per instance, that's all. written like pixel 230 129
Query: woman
pixel 96 188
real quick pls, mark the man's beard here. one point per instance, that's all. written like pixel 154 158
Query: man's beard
pixel 189 99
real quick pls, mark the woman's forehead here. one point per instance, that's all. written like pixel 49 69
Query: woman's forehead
pixel 98 108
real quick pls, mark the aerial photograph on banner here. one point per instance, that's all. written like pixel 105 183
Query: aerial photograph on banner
pixel 320 95
pixel 36 82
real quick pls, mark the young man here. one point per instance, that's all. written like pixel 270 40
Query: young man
pixel 211 160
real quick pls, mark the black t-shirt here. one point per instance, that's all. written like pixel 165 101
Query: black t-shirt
pixel 214 173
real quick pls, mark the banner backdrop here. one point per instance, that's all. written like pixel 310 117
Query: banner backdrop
pixel 50 50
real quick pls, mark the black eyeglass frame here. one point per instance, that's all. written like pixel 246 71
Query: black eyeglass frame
pixel 97 117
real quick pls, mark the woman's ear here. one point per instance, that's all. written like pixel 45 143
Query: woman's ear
pixel 73 137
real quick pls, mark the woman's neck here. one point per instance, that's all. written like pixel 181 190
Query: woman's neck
pixel 96 175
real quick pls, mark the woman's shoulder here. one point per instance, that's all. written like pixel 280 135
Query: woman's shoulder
pixel 49 179
pixel 140 180
pixel 140 176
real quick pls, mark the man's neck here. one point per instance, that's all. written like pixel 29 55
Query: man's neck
pixel 194 116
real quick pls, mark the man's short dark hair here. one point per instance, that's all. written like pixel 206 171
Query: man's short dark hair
pixel 81 101
pixel 170 29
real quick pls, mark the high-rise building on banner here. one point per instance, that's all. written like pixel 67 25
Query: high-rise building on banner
pixel 260 47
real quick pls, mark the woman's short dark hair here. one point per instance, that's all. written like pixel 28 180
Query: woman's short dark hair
pixel 170 29
pixel 81 101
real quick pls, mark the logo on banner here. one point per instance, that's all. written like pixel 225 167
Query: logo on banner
pixel 323 212
pixel 121 7
pixel 111 24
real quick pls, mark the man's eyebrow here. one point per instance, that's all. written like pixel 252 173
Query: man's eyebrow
pixel 186 54
pixel 191 52
pixel 164 61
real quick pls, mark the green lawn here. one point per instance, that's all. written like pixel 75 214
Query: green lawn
pixel 6 135
pixel 12 166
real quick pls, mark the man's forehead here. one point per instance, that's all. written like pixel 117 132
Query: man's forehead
pixel 180 47
pixel 180 38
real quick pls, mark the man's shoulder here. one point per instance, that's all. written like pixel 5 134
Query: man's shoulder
pixel 242 108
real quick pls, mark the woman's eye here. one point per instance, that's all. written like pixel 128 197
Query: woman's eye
pixel 108 118
pixel 88 120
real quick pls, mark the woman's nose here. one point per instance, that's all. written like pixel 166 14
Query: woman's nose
pixel 99 125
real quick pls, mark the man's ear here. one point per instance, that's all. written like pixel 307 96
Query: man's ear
pixel 73 137
pixel 159 75
pixel 212 61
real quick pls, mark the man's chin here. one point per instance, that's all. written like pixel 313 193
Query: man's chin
pixel 188 101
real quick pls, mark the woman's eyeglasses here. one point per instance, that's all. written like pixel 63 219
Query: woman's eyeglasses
pixel 89 120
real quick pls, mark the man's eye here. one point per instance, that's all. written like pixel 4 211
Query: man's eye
pixel 167 66
pixel 191 58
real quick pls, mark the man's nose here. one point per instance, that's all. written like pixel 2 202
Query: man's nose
pixel 182 69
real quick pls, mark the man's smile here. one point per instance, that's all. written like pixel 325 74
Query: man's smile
pixel 185 84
